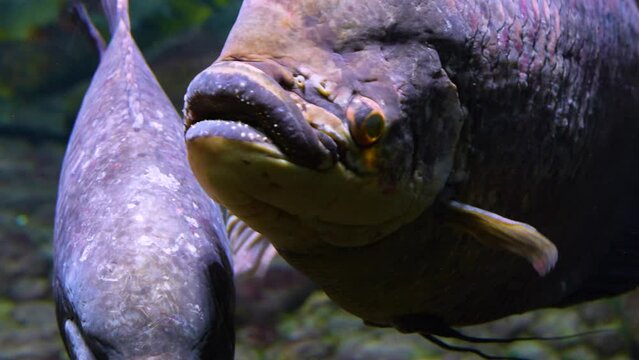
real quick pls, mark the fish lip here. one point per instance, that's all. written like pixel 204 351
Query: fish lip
pixel 234 131
pixel 239 92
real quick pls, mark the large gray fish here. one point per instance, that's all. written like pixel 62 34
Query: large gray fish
pixel 141 264
pixel 415 158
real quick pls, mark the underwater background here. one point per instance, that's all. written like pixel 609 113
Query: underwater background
pixel 46 63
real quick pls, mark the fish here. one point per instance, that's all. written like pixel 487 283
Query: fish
pixel 430 164
pixel 142 266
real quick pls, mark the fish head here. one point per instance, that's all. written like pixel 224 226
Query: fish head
pixel 330 120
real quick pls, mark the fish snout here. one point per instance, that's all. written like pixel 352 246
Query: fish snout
pixel 232 94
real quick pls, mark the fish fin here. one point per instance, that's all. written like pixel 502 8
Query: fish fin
pixel 499 232
pixel 252 252
pixel 67 319
pixel 220 341
pixel 62 311
pixel 78 348
pixel 616 274
pixel 81 12
pixel 116 11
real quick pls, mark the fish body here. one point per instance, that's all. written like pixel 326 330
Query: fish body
pixel 141 264
pixel 409 156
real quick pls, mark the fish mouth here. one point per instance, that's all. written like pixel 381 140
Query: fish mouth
pixel 238 101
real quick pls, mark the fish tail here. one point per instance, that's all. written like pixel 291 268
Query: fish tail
pixel 116 11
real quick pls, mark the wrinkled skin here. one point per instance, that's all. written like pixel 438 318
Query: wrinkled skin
pixel 526 109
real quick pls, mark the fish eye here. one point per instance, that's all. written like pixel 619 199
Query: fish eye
pixel 366 121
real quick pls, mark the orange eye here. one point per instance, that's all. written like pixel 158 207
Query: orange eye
pixel 366 121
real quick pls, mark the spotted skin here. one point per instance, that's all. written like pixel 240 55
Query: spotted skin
pixel 141 264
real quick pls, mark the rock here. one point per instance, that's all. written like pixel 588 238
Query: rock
pixel 608 344
pixel 21 258
pixel 246 352
pixel 557 323
pixel 39 314
pixel 385 344
pixel 345 323
pixel 31 343
pixel 512 326
pixel 631 312
pixel 6 309
pixel 313 349
pixel 598 313
pixel 28 331
pixel 26 289
pixel 530 350
pixel 580 353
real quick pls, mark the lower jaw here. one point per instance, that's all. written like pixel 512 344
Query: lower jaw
pixel 295 206
pixel 232 131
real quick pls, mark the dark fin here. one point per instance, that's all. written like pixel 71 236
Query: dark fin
pixel 219 343
pixel 77 347
pixel 116 11
pixel 499 232
pixel 252 252
pixel 63 311
pixel 81 12
pixel 616 274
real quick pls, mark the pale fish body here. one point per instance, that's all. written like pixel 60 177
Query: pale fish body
pixel 141 262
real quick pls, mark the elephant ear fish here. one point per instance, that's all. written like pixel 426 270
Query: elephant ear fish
pixel 141 263
pixel 430 163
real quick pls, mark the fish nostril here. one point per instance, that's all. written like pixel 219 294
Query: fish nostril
pixel 275 71
pixel 300 82
pixel 320 85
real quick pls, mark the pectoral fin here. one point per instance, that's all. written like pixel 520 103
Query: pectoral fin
pixel 76 344
pixel 496 231
pixel 252 252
